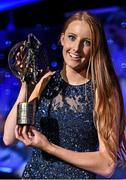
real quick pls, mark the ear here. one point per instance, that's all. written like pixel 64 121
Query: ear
pixel 62 39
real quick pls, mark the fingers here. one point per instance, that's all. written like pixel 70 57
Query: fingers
pixel 41 85
pixel 46 77
pixel 43 82
pixel 18 133
pixel 30 132
pixel 24 134
pixel 31 137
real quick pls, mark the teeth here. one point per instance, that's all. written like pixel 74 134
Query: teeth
pixel 74 56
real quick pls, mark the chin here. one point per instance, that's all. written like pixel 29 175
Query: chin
pixel 77 68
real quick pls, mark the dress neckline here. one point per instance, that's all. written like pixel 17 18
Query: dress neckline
pixel 72 85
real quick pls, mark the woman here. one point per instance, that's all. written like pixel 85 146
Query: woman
pixel 79 128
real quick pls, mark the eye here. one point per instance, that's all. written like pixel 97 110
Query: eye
pixel 71 37
pixel 86 42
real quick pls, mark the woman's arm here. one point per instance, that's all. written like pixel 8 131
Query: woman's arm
pixel 98 162
pixel 10 123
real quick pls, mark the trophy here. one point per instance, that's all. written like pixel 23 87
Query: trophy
pixel 28 69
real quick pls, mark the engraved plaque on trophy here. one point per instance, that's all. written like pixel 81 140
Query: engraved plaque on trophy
pixel 28 69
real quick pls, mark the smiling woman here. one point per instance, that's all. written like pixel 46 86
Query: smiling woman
pixel 76 42
pixel 79 121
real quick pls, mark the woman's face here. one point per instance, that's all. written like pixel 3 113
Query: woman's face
pixel 76 42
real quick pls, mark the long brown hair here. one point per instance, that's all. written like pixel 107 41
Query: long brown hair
pixel 109 115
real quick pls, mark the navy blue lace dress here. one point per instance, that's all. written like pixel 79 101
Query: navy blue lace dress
pixel 65 116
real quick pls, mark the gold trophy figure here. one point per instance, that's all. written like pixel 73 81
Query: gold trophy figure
pixel 28 69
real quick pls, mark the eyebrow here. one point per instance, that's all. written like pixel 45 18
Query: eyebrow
pixel 72 34
pixel 85 38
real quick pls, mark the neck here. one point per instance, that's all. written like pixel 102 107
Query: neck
pixel 74 77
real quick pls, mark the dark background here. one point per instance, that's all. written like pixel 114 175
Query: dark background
pixel 45 18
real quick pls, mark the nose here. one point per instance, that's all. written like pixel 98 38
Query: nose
pixel 77 46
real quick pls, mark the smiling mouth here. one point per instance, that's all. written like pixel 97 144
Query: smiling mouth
pixel 75 56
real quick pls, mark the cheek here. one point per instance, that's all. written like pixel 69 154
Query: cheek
pixel 66 45
pixel 86 51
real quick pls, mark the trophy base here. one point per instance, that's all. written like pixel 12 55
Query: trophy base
pixel 25 114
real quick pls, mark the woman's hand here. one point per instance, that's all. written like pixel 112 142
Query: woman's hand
pixel 31 137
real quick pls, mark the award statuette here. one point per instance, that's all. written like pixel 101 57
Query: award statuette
pixel 28 69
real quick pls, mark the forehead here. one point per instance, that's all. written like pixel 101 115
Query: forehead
pixel 79 28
